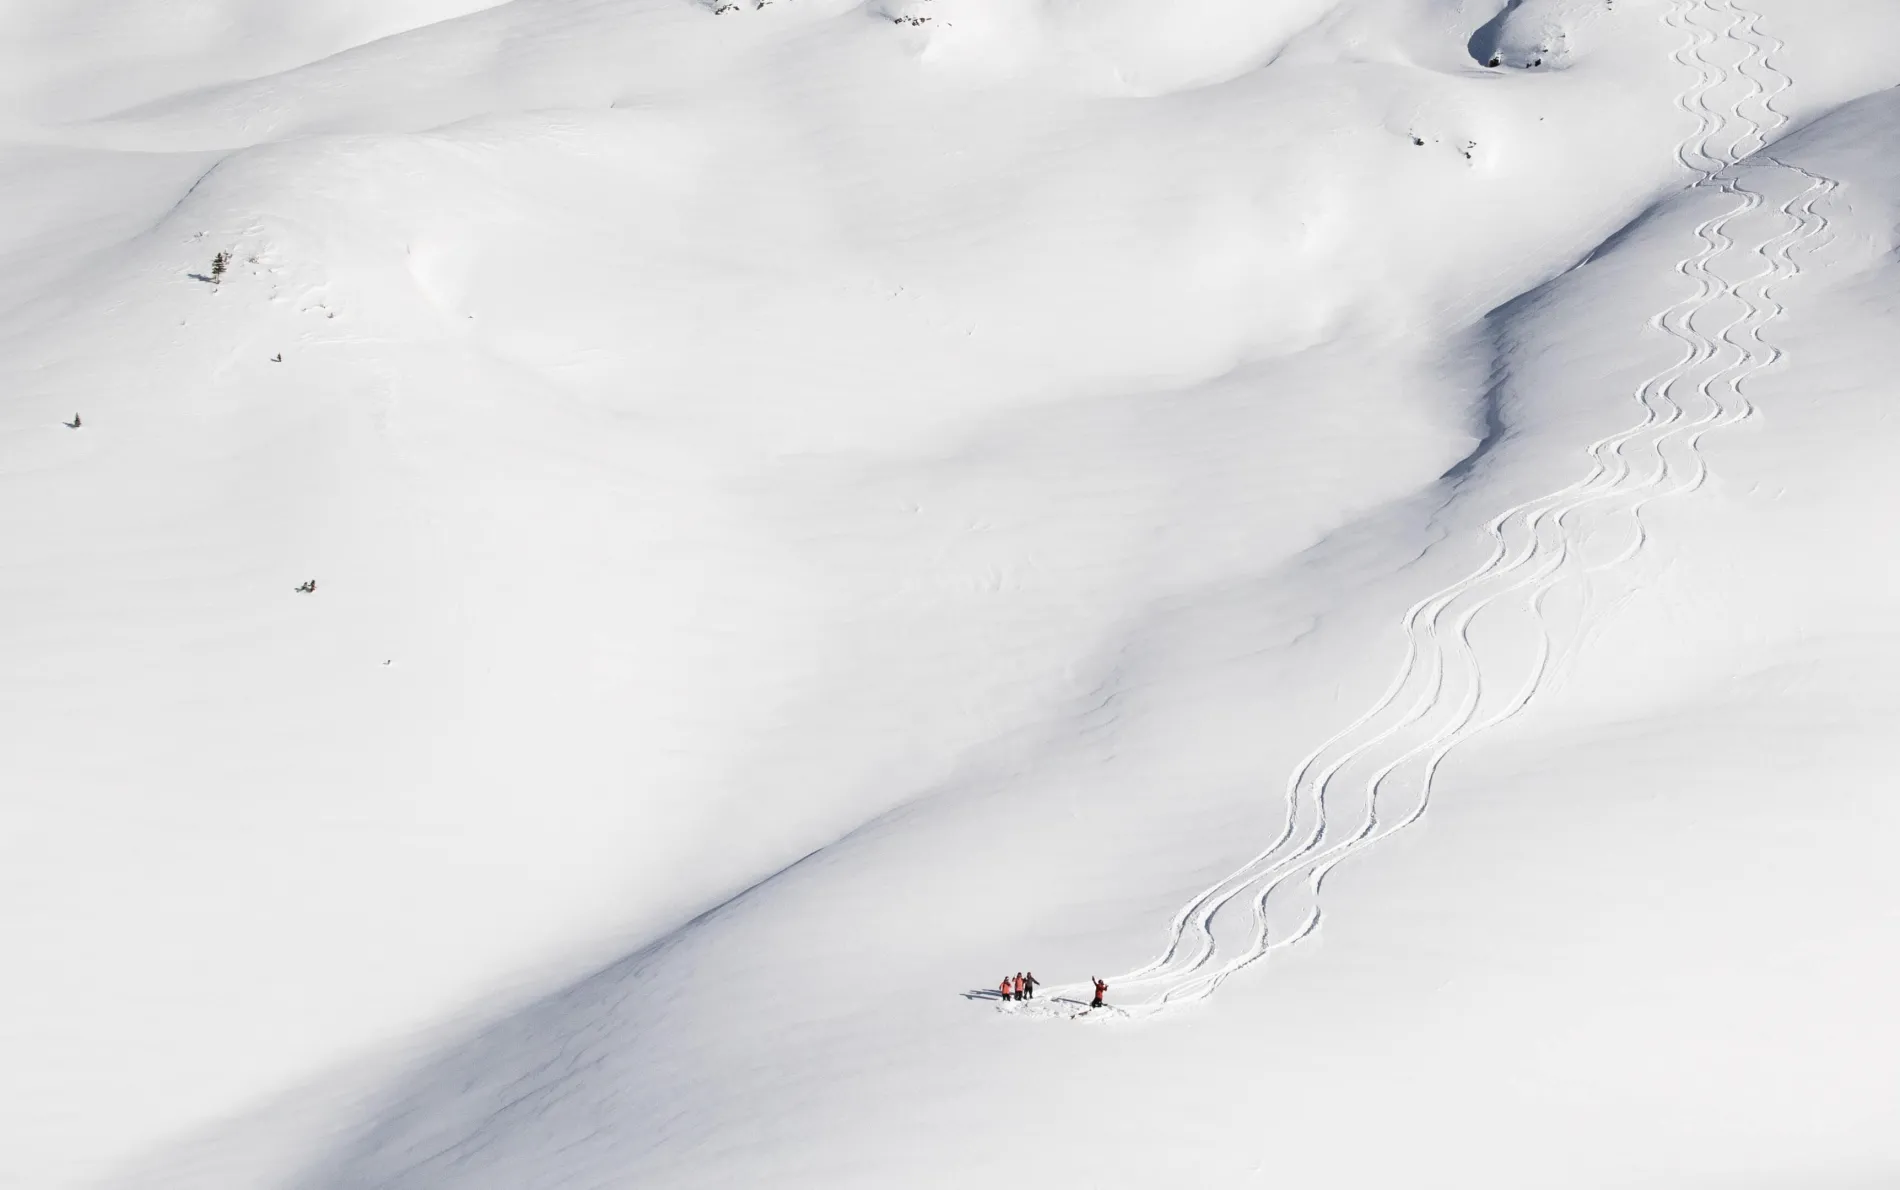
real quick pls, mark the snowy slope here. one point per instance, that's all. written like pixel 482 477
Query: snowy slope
pixel 981 456
pixel 1648 941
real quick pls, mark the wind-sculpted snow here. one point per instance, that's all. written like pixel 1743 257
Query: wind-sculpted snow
pixel 630 447
pixel 1480 651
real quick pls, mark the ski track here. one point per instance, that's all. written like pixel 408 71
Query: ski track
pixel 1443 693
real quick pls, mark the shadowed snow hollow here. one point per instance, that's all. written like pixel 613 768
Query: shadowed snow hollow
pixel 1539 33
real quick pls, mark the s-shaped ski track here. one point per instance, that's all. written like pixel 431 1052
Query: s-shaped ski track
pixel 1445 691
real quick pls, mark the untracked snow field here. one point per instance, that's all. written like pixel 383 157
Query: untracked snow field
pixel 1367 525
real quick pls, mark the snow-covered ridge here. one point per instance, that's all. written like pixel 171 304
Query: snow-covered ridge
pixel 84 58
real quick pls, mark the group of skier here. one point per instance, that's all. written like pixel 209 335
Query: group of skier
pixel 1022 986
pixel 1019 986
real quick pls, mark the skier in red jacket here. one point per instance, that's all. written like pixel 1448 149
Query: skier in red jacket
pixel 1007 988
pixel 1101 990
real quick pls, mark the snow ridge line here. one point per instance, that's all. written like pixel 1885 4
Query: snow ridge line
pixel 1532 543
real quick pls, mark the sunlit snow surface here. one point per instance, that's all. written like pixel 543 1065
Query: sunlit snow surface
pixel 1381 556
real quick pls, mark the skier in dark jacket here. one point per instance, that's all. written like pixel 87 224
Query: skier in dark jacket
pixel 1029 985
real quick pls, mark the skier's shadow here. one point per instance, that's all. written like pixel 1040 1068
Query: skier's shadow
pixel 993 994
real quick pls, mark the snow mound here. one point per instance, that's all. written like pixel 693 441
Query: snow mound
pixel 1113 46
pixel 1537 34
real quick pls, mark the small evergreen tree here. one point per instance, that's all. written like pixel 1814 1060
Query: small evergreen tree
pixel 219 263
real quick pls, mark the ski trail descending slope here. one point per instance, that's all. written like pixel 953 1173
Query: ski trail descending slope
pixel 1481 649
